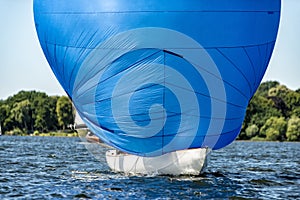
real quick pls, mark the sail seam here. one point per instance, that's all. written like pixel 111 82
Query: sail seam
pixel 208 47
pixel 125 69
pixel 234 65
pixel 158 11
pixel 252 66
pixel 205 95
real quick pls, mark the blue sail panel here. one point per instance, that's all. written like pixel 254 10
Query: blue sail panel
pixel 151 77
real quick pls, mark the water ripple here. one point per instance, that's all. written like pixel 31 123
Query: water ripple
pixel 61 168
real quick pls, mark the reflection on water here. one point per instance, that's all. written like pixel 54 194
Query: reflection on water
pixel 59 168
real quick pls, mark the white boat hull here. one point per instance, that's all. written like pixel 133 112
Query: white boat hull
pixel 184 162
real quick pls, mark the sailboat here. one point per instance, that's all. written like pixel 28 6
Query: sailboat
pixel 155 78
pixel 182 162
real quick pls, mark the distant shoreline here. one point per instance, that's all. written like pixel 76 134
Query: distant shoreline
pixel 266 141
pixel 50 134
pixel 69 135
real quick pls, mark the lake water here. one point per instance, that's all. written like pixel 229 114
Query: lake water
pixel 61 168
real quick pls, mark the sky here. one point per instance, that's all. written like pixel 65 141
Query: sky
pixel 24 67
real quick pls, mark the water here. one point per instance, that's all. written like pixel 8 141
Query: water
pixel 61 168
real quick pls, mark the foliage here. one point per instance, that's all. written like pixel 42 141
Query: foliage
pixel 252 131
pixel 64 112
pixel 3 114
pixel 270 110
pixel 30 112
pixel 15 131
pixel 21 113
pixel 257 138
pixel 259 110
pixel 289 97
pixel 274 129
pixel 264 88
pixel 293 129
pixel 296 112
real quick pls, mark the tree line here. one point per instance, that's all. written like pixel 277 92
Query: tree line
pixel 272 114
pixel 31 111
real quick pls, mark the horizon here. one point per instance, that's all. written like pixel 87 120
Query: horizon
pixel 31 90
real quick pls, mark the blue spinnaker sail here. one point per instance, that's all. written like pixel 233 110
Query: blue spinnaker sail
pixel 154 76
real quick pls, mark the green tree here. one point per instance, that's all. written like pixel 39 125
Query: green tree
pixel 258 111
pixel 293 100
pixel 53 122
pixel 296 112
pixel 28 111
pixel 252 131
pixel 274 129
pixel 279 90
pixel 42 114
pixel 285 99
pixel 22 114
pixel 264 88
pixel 3 115
pixel 64 111
pixel 9 122
pixel 273 134
pixel 293 129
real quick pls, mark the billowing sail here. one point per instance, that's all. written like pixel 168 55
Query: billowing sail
pixel 154 76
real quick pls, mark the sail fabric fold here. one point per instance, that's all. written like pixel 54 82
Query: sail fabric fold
pixel 152 77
